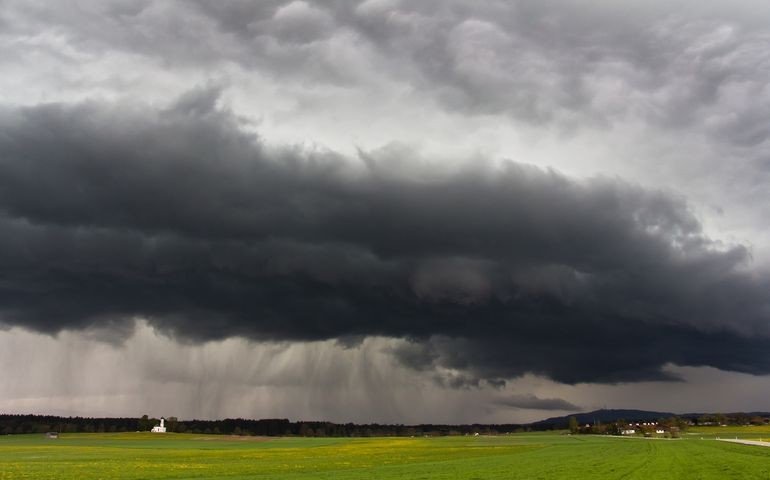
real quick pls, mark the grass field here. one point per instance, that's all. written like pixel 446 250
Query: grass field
pixel 520 456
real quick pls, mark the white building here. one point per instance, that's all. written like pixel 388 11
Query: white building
pixel 160 428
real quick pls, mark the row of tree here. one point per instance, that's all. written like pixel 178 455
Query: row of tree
pixel 671 425
pixel 10 424
pixel 14 424
pixel 739 418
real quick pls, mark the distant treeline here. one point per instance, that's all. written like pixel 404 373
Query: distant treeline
pixel 671 426
pixel 12 424
pixel 754 418
pixel 605 419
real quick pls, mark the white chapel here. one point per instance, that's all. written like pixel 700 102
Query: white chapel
pixel 160 428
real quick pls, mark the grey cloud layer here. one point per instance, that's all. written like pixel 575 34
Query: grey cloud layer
pixel 563 63
pixel 530 401
pixel 492 270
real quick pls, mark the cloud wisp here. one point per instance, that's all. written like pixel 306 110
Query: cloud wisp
pixel 529 401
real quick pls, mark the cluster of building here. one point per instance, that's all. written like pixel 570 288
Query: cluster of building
pixel 643 427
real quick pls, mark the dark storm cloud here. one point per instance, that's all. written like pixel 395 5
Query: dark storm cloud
pixel 533 402
pixel 182 216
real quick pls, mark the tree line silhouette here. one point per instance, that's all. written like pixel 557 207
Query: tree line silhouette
pixel 16 424
pixel 19 424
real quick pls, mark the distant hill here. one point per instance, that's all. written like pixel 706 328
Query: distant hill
pixel 603 416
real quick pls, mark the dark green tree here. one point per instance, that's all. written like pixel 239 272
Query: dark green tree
pixel 573 425
pixel 144 423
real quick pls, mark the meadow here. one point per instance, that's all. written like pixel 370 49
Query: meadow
pixel 698 455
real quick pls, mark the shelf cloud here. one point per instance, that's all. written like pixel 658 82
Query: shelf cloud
pixel 181 216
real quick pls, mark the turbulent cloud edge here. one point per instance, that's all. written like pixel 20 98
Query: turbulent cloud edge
pixel 492 269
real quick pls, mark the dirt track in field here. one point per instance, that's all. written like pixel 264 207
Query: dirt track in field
pixel 745 442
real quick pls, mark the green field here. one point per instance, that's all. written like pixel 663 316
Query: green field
pixel 522 456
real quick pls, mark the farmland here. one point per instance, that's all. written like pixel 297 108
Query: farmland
pixel 520 456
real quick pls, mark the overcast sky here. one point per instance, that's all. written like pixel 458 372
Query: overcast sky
pixel 434 211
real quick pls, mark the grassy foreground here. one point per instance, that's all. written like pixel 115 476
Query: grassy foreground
pixel 521 456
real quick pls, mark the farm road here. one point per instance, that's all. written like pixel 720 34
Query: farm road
pixel 746 442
